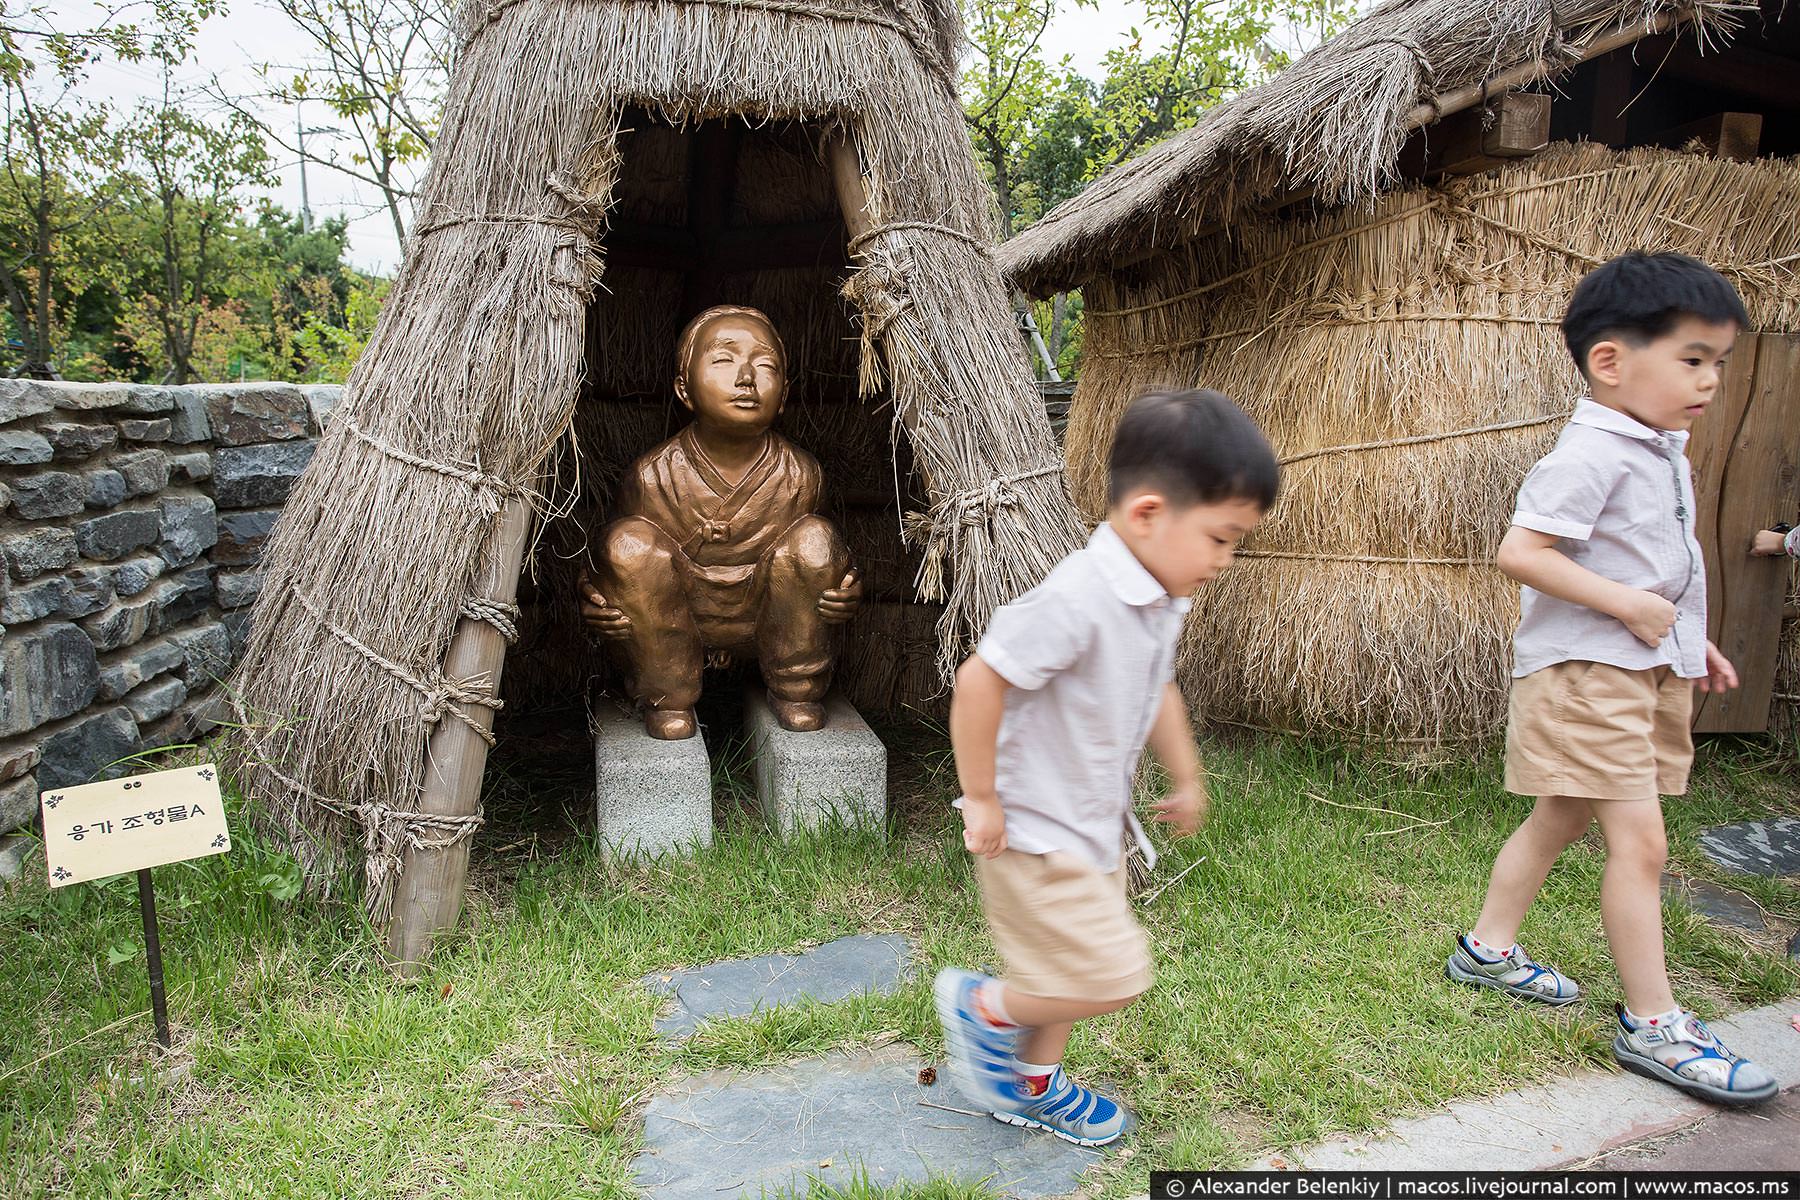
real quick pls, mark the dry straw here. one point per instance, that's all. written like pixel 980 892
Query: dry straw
pixel 1333 123
pixel 1406 362
pixel 478 366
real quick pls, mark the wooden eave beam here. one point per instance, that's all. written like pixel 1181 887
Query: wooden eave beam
pixel 1426 113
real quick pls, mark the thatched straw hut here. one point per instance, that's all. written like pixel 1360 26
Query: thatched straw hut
pixel 606 169
pixel 1371 252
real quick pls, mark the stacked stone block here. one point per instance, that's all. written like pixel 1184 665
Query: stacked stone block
pixel 132 521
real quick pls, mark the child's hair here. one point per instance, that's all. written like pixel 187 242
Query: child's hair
pixel 1638 297
pixel 690 333
pixel 1193 448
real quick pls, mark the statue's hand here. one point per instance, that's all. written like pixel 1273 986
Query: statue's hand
pixel 601 615
pixel 839 604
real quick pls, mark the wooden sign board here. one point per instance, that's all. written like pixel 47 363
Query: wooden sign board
pixel 101 829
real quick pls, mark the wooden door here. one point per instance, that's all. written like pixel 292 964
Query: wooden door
pixel 1746 457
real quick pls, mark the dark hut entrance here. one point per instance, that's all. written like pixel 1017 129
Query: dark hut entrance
pixel 723 212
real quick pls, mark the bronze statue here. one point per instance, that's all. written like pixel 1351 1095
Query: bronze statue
pixel 718 547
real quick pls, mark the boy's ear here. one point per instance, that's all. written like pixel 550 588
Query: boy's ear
pixel 1142 507
pixel 1603 362
pixel 681 392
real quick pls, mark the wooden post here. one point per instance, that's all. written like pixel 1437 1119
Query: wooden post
pixel 429 894
pixel 1516 125
pixel 1732 135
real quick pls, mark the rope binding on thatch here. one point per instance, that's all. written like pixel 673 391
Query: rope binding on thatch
pixel 863 239
pixel 440 695
pixel 503 617
pixel 1423 438
pixel 790 8
pixel 492 489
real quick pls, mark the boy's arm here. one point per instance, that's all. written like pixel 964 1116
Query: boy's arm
pixel 975 710
pixel 1172 741
pixel 1531 558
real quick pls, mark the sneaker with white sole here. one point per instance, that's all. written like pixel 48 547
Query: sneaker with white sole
pixel 1685 1054
pixel 1515 974
pixel 1070 1111
pixel 980 1052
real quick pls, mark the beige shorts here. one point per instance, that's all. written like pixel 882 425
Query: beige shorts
pixel 1601 732
pixel 1063 929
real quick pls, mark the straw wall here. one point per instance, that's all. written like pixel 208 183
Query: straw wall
pixel 1407 364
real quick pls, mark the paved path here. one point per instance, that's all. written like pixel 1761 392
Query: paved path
pixel 1761 1139
pixel 1573 1122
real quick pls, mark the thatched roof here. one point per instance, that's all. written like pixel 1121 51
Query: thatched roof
pixel 1333 124
pixel 468 394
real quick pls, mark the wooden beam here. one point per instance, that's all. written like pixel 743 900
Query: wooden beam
pixel 1436 109
pixel 429 895
pixel 1613 78
pixel 1515 125
pixel 1733 135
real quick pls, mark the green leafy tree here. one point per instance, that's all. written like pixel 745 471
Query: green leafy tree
pixel 1042 131
pixel 331 349
pixel 190 237
pixel 59 158
pixel 381 68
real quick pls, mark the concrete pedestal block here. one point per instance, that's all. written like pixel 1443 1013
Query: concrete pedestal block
pixel 806 779
pixel 651 797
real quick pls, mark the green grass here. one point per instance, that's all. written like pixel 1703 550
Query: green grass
pixel 1299 986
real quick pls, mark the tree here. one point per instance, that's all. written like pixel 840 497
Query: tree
pixel 1042 131
pixel 59 156
pixel 192 173
pixel 381 67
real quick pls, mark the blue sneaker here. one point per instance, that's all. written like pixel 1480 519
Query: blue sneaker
pixel 980 1053
pixel 1070 1111
pixel 1685 1054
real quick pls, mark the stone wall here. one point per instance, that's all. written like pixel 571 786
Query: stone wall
pixel 132 520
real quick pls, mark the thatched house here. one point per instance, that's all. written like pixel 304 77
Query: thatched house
pixel 1371 252
pixel 606 169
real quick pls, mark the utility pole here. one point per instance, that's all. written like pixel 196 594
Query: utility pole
pixel 305 208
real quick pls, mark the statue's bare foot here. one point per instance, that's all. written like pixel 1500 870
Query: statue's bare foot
pixel 801 716
pixel 669 724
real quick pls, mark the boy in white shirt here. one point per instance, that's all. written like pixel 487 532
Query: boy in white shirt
pixel 1048 719
pixel 1610 646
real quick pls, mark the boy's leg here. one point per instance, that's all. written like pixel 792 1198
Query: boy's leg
pixel 1657 1039
pixel 1491 957
pixel 1524 863
pixel 1637 849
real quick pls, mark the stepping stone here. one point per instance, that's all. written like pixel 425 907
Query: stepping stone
pixel 1794 947
pixel 1755 847
pixel 806 779
pixel 726 1135
pixel 1715 903
pixel 741 986
pixel 650 796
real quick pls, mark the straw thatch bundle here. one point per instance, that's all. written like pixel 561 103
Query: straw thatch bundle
pixel 1407 364
pixel 1333 124
pixel 467 397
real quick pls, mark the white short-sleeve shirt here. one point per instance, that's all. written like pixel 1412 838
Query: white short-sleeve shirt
pixel 1087 653
pixel 1620 496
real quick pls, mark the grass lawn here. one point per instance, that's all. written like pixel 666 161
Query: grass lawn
pixel 1299 984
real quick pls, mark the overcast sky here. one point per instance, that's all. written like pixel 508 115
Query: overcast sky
pixel 253 32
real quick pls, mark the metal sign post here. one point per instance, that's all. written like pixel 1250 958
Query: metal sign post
pixel 159 1004
pixel 100 830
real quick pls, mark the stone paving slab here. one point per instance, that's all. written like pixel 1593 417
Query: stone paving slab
pixel 1724 905
pixel 1558 1124
pixel 726 1134
pixel 1755 847
pixel 741 986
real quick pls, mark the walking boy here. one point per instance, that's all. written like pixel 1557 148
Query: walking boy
pixel 1048 719
pixel 1611 642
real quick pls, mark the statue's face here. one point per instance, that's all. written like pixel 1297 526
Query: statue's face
pixel 734 380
